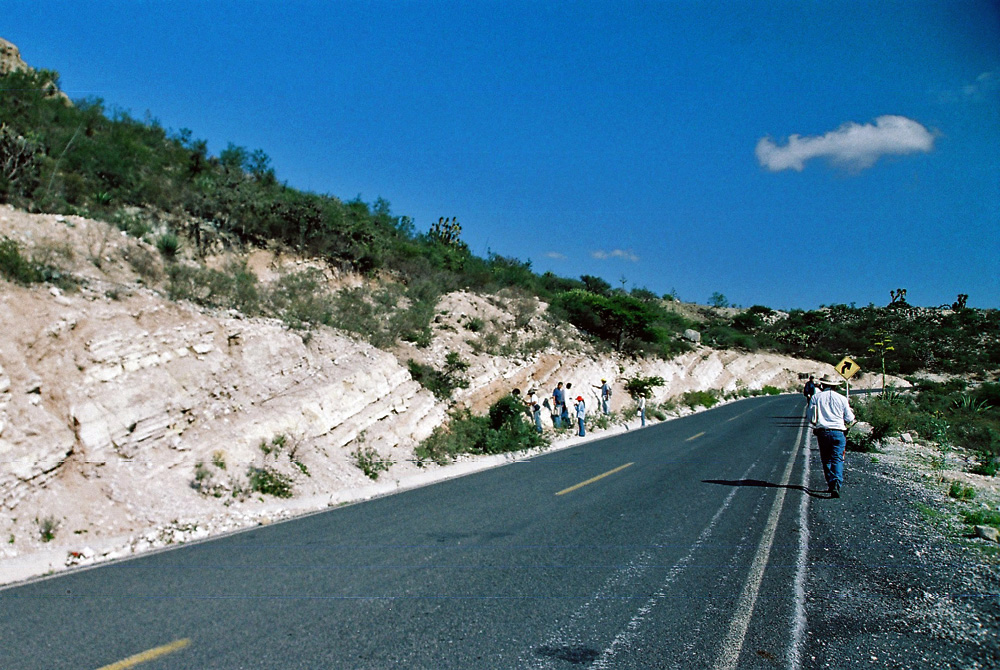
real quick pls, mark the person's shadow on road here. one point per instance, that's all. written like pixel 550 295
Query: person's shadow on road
pixel 762 484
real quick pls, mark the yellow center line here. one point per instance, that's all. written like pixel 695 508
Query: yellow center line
pixel 695 437
pixel 594 479
pixel 148 655
pixel 739 415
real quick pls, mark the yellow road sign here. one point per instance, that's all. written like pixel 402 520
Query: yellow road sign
pixel 847 368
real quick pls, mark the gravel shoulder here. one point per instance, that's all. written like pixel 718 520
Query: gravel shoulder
pixel 895 579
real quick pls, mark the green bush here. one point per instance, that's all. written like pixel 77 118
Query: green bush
pixel 693 399
pixel 370 461
pixel 982 517
pixel 961 491
pixel 506 428
pixel 269 481
pixel 642 387
pixel 988 465
pixel 862 443
pixel 300 300
pixel 168 244
pixel 441 383
pixel 15 267
pixel 47 527
pixel 234 288
pixel 886 418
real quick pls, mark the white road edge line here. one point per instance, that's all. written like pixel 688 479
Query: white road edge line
pixel 799 620
pixel 732 646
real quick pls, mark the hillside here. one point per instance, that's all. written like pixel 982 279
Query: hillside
pixel 129 421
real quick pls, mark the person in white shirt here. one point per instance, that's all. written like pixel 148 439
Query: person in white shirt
pixel 830 414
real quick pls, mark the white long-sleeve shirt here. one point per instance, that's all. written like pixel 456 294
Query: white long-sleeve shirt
pixel 832 410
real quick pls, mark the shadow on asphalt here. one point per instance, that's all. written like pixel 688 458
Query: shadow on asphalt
pixel 790 421
pixel 767 485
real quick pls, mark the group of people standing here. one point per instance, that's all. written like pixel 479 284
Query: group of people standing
pixel 558 405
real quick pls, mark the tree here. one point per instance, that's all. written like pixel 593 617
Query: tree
pixel 596 285
pixel 718 300
pixel 642 387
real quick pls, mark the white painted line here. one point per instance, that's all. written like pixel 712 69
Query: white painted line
pixel 732 646
pixel 799 618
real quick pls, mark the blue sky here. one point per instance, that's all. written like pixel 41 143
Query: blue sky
pixel 789 154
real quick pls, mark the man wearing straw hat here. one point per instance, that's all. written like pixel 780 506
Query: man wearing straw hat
pixel 830 414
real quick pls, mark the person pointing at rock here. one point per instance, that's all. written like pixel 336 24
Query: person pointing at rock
pixel 605 395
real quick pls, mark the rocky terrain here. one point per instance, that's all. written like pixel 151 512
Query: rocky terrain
pixel 129 421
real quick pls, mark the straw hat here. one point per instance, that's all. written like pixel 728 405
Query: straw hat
pixel 827 380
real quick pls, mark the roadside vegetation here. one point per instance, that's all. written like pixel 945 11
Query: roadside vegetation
pixel 960 423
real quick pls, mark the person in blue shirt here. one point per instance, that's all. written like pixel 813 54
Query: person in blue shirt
pixel 581 414
pixel 558 405
pixel 605 395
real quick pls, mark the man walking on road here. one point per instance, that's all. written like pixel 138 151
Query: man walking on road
pixel 830 414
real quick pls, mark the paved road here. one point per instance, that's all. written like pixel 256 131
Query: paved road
pixel 688 552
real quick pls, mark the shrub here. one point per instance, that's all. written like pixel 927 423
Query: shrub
pixel 441 383
pixel 706 399
pixel 656 412
pixel 276 444
pixel 886 418
pixel 234 288
pixel 300 300
pixel 642 387
pixel 988 465
pixel 370 461
pixel 169 245
pixel 860 442
pixel 982 517
pixel 600 421
pixel 961 491
pixel 506 428
pixel 16 267
pixel 47 528
pixel 269 481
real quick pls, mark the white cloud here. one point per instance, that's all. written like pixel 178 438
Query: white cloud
pixel 556 255
pixel 853 145
pixel 615 253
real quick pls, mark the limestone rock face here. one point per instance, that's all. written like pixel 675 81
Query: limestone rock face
pixel 10 58
pixel 11 61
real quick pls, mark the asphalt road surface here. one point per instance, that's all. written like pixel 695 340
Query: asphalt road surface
pixel 681 545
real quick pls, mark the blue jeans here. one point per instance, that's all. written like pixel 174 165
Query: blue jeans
pixel 537 415
pixel 583 431
pixel 642 415
pixel 832 444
